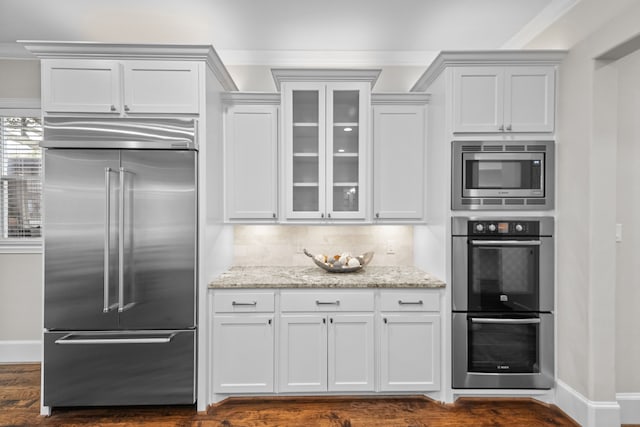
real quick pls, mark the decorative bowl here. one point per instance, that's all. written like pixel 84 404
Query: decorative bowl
pixel 363 260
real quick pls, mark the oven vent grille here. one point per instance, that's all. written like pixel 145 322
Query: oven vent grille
pixel 536 148
pixel 470 201
pixel 514 202
pixel 515 148
pixel 536 201
pixel 491 201
pixel 492 148
pixel 471 148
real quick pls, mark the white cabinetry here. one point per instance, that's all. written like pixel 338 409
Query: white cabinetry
pixel 243 342
pixel 251 165
pixel 327 349
pixel 410 341
pixel 399 147
pixel 120 87
pixel 325 134
pixel 503 99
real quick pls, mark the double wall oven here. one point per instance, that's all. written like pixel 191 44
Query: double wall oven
pixel 503 297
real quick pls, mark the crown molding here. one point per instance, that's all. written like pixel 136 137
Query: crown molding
pixel 547 16
pixel 96 50
pixel 486 57
pixel 400 98
pixel 250 98
pixel 324 75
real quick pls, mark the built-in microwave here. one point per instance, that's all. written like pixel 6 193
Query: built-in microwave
pixel 500 175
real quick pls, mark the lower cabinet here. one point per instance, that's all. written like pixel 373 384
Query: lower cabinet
pixel 409 352
pixel 326 352
pixel 325 341
pixel 243 353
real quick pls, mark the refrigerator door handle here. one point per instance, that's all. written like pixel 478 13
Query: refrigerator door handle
pixel 107 248
pixel 121 255
pixel 121 246
pixel 71 339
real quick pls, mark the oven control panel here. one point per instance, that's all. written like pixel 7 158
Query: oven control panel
pixel 503 228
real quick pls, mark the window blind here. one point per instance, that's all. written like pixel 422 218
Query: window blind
pixel 20 178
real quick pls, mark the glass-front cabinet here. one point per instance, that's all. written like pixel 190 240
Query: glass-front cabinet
pixel 325 129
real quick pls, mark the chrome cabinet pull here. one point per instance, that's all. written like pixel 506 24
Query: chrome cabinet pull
pixel 68 340
pixel 508 127
pixel 336 302
pixel 532 321
pixel 236 303
pixel 419 302
pixel 126 108
pixel 501 128
pixel 107 231
pixel 328 215
pixel 321 215
pixel 113 108
pixel 506 242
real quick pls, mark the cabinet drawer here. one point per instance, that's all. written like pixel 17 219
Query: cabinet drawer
pixel 243 302
pixel 410 301
pixel 326 301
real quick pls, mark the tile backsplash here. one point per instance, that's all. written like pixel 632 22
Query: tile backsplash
pixel 283 244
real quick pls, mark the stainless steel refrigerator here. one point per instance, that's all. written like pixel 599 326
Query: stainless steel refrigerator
pixel 120 245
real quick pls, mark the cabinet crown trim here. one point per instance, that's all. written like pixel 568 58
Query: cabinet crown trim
pixel 400 98
pixel 485 57
pixel 125 51
pixel 250 98
pixel 324 75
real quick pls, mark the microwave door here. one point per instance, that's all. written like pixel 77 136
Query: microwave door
pixel 503 175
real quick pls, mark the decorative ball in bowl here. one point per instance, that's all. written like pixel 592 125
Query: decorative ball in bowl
pixel 342 263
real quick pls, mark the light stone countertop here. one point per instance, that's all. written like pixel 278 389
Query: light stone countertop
pixel 240 277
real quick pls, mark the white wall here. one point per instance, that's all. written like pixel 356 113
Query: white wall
pixel 20 274
pixel 20 297
pixel 258 78
pixel 588 130
pixel 627 213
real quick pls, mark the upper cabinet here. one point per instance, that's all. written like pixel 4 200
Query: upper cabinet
pixel 251 163
pixel 120 87
pixel 326 142
pixel 503 99
pixel 325 136
pixel 399 156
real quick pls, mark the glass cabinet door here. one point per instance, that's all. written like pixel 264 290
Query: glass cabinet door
pixel 325 126
pixel 346 130
pixel 307 152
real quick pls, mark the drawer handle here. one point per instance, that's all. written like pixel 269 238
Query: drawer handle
pixel 236 303
pixel 419 302
pixel 336 302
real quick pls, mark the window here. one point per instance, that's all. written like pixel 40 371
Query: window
pixel 20 180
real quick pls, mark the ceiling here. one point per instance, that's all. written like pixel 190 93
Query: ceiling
pixel 287 32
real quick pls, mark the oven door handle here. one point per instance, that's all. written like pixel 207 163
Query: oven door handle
pixel 506 321
pixel 506 242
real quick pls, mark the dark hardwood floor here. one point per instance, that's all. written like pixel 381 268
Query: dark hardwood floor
pixel 20 406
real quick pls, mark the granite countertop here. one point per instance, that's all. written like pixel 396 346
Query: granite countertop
pixel 313 277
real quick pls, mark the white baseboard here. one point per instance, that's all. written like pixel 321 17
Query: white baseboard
pixel 587 413
pixel 20 351
pixel 629 407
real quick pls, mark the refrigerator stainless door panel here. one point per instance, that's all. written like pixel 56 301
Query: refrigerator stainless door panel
pixel 76 237
pixel 119 368
pixel 159 240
